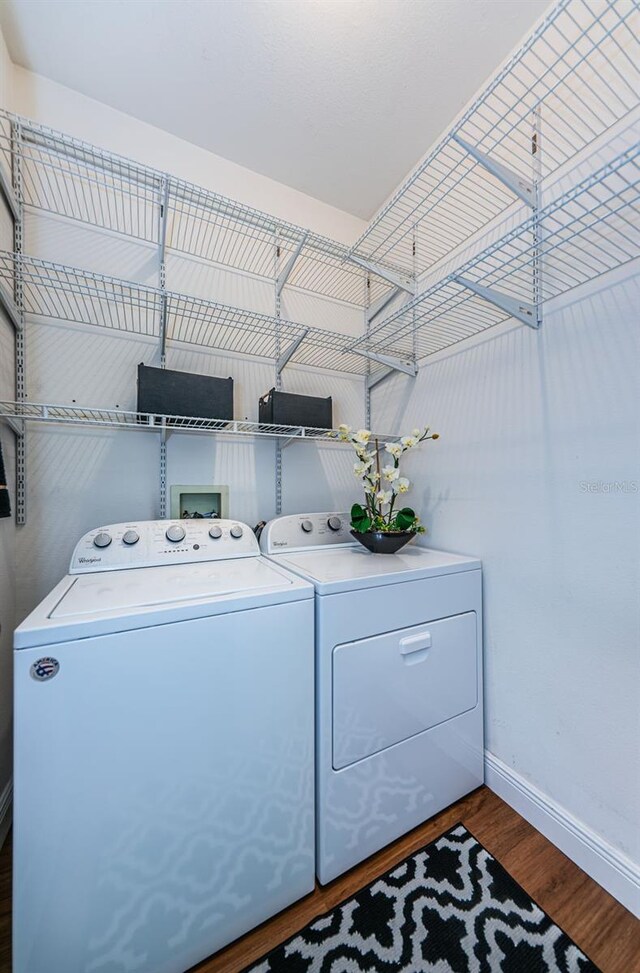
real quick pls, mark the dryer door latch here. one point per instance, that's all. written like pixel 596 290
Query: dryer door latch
pixel 414 647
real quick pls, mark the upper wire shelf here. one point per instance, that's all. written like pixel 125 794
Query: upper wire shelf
pixel 74 179
pixel 575 77
pixel 18 412
pixel 65 293
pixel 587 231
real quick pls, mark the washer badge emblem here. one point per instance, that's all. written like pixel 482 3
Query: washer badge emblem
pixel 45 668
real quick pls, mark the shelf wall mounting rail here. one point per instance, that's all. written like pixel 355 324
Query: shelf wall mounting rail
pixel 18 302
pixel 580 67
pixel 295 344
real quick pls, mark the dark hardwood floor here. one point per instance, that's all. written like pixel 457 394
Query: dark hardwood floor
pixel 606 931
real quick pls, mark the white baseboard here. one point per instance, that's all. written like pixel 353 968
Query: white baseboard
pixel 619 875
pixel 6 808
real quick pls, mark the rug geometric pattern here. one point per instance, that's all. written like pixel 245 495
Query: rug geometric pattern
pixel 450 908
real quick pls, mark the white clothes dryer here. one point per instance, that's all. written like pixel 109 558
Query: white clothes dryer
pixel 399 708
pixel 163 750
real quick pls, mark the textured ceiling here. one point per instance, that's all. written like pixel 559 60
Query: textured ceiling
pixel 336 98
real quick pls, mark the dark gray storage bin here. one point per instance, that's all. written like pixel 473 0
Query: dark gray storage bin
pixel 166 392
pixel 290 409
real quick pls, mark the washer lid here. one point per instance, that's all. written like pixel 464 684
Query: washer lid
pixel 143 587
pixel 350 568
pixel 102 603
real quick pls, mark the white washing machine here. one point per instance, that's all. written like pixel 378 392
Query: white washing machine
pixel 163 750
pixel 399 711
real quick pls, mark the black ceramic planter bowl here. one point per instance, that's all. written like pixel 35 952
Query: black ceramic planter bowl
pixel 383 542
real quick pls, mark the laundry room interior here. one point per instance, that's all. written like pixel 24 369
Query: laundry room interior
pixel 319 469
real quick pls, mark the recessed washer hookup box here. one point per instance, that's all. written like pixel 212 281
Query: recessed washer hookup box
pixel 162 391
pixel 290 409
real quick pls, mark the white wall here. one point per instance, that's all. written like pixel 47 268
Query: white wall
pixel 534 427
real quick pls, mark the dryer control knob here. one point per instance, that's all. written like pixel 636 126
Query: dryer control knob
pixel 236 531
pixel 307 526
pixel 334 523
pixel 175 533
pixel 102 539
pixel 130 537
pixel 215 533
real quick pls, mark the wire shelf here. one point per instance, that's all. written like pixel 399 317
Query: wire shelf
pixel 576 76
pixel 74 179
pixel 586 232
pixel 54 291
pixel 226 233
pixel 18 412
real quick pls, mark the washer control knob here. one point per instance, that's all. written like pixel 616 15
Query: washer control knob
pixel 130 537
pixel 236 531
pixel 307 526
pixel 175 533
pixel 215 532
pixel 334 523
pixel 102 539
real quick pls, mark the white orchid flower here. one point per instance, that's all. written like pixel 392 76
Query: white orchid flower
pixel 401 485
pixel 416 433
pixel 362 436
pixel 409 441
pixel 384 496
pixel 364 457
pixel 360 469
pixel 395 449
pixel 390 473
pixel 369 487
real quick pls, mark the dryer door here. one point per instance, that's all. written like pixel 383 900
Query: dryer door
pixel 390 687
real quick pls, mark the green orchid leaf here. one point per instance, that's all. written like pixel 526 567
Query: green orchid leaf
pixel 405 519
pixel 361 526
pixel 360 519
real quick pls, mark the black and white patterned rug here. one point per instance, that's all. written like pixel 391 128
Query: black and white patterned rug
pixel 450 908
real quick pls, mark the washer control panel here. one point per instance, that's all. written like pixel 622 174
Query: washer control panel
pixel 297 532
pixel 150 543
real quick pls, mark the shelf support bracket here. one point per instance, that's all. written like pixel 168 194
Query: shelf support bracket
pixel 284 442
pixel 516 183
pixel 378 377
pixel 283 276
pixel 9 195
pixel 289 352
pixel 526 313
pixel 395 364
pixel 8 305
pixel 402 283
pixel 380 305
pixel 17 425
